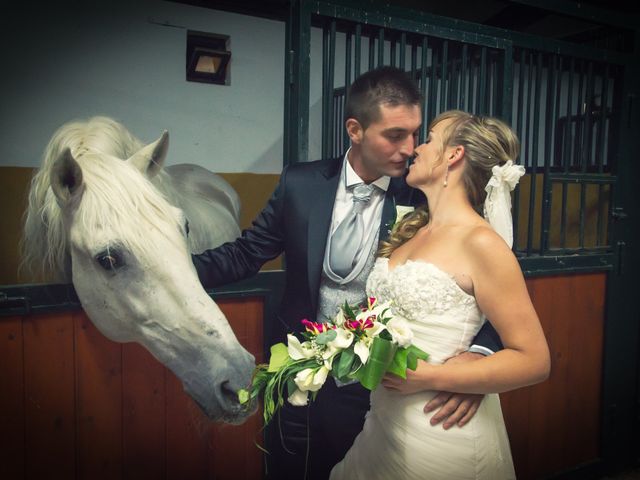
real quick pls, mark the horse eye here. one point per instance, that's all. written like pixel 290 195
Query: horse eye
pixel 110 260
pixel 186 227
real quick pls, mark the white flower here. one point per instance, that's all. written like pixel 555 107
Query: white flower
pixel 402 210
pixel 299 398
pixel 343 339
pixel 311 380
pixel 339 318
pixel 361 348
pixel 400 331
pixel 298 350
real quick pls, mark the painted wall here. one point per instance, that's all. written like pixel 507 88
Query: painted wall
pixel 127 60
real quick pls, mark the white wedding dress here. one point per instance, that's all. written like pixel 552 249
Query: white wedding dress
pixel 397 441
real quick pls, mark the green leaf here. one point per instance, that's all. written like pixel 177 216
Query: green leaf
pixel 243 396
pixel 398 365
pixel 348 312
pixel 291 385
pixel 380 356
pixel 279 357
pixel 415 353
pixel 326 337
pixel 344 363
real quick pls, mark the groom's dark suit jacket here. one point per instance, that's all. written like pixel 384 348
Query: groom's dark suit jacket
pixel 296 221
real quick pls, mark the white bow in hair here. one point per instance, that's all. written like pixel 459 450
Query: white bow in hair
pixel 497 205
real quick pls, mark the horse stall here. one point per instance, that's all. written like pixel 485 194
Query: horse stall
pixel 76 405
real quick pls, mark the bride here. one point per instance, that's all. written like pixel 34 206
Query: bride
pixel 445 268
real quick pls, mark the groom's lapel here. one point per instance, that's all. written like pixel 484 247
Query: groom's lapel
pixel 388 214
pixel 322 196
pixel 394 196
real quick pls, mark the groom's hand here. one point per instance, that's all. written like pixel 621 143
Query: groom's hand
pixel 455 408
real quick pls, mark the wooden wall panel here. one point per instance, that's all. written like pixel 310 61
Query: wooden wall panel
pixel 99 402
pixel 143 414
pixel 554 426
pixel 79 406
pixel 50 404
pixel 11 398
pixel 187 435
pixel 234 452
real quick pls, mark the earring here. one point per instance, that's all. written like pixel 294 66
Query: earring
pixel 446 176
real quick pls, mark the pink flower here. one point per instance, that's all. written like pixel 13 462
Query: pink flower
pixel 372 302
pixel 316 327
pixel 361 324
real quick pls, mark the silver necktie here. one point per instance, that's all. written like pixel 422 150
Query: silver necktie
pixel 348 237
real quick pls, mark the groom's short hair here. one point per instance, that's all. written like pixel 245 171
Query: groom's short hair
pixel 381 86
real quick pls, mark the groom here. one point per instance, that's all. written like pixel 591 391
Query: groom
pixel 318 212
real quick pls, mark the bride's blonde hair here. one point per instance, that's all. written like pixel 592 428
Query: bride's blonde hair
pixel 487 142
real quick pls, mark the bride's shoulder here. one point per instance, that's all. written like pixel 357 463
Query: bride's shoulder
pixel 481 239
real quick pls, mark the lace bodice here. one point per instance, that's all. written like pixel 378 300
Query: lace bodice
pixel 444 318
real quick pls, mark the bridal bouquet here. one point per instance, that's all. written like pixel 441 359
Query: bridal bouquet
pixel 361 343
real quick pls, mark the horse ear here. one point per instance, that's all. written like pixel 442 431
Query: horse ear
pixel 66 178
pixel 150 159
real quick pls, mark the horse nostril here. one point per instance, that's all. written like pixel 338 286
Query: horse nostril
pixel 229 395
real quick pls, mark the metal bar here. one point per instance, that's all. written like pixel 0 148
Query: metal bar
pixel 414 59
pixel 579 119
pixel 601 154
pixel 453 84
pixel 380 47
pixel 527 119
pixel 372 52
pixel 563 215
pixel 443 76
pixel 567 262
pixel 463 77
pixel 550 113
pixel 401 18
pixel 583 203
pixel 392 53
pixel 494 86
pixel 585 81
pixel 604 96
pixel 586 12
pixel 325 92
pixel 507 84
pixel 534 154
pixel 403 50
pixel 473 71
pixel 587 127
pixel 433 82
pixel 357 58
pixel 423 87
pixel 331 83
pixel 297 72
pixel 519 119
pixel 569 128
pixel 481 86
pixel 576 178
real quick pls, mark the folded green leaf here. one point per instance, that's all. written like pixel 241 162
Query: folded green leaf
pixel 279 356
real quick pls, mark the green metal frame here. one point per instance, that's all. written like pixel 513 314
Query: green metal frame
pixel 618 260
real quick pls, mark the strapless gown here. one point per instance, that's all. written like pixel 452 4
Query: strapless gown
pixel 397 441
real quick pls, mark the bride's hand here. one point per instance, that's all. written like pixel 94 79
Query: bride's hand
pixel 455 408
pixel 416 381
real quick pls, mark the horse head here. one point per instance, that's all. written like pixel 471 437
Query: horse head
pixel 131 268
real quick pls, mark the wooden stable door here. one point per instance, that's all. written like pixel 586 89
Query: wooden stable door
pixel 75 405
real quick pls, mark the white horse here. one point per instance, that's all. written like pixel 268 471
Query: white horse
pixel 104 214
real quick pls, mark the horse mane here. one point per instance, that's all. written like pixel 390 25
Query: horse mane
pixel 99 145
